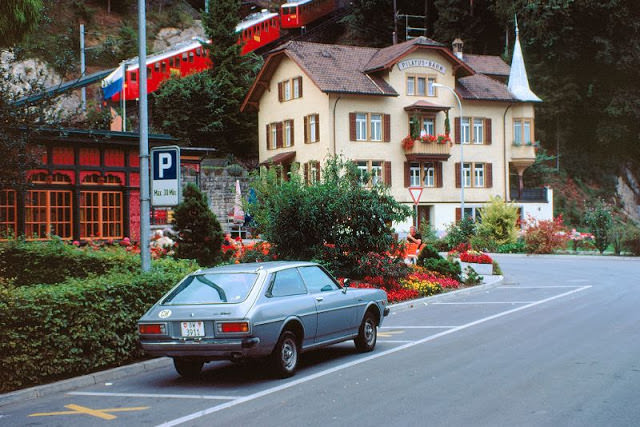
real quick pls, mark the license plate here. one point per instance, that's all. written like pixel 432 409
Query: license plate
pixel 192 329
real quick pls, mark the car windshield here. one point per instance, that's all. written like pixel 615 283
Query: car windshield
pixel 212 288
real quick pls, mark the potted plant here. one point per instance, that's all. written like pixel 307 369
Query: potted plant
pixel 407 142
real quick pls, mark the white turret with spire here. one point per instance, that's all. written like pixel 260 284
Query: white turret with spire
pixel 518 81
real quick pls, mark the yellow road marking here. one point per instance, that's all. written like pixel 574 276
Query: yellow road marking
pixel 100 413
pixel 390 333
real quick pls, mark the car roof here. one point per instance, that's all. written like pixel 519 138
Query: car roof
pixel 254 267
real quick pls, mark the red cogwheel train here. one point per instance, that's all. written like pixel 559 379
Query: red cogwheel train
pixel 255 31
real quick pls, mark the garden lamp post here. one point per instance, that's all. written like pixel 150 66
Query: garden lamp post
pixel 461 147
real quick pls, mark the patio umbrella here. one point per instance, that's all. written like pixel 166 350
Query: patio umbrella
pixel 238 213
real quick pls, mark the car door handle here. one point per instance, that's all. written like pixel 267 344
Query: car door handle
pixel 319 299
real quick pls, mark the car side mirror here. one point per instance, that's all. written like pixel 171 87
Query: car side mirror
pixel 345 284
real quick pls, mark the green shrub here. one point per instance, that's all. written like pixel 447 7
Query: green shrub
pixel 83 325
pixel 472 278
pixel 631 240
pixel 598 218
pixel 460 232
pixel 448 268
pixel 518 247
pixel 499 222
pixel 54 261
pixel 428 252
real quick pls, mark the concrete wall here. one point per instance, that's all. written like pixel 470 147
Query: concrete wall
pixel 220 188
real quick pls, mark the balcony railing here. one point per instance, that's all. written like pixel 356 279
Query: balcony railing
pixel 530 195
pixel 434 149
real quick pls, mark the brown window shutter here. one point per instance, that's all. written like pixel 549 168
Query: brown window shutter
pixel 318 172
pixel 318 128
pixel 386 128
pixel 487 131
pixel 488 179
pixel 458 181
pixel 407 177
pixel 268 137
pixel 300 86
pixel 438 174
pixel 458 215
pixel 387 173
pixel 352 126
pixel 279 142
pixel 293 134
pixel 456 130
pixel 306 174
pixel 280 92
pixel 306 132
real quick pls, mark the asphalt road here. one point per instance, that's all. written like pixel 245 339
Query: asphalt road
pixel 556 344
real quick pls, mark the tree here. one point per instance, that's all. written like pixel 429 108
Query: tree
pixel 598 218
pixel 199 235
pixel 216 94
pixel 336 220
pixel 18 17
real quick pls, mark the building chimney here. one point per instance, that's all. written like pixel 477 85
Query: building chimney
pixel 457 48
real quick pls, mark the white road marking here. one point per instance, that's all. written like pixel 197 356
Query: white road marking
pixel 152 395
pixel 483 302
pixel 394 341
pixel 536 287
pixel 329 371
pixel 417 327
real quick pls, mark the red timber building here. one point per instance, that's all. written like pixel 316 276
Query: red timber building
pixel 88 187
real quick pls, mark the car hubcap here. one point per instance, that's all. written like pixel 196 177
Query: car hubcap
pixel 369 332
pixel 289 354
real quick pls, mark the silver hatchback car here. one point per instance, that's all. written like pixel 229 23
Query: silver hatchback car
pixel 274 310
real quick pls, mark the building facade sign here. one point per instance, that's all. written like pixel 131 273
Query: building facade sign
pixel 424 63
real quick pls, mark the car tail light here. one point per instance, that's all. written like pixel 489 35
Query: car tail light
pixel 233 327
pixel 152 329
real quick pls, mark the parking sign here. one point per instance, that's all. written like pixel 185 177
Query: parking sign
pixel 165 176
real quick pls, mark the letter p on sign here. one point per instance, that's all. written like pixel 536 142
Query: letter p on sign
pixel 165 176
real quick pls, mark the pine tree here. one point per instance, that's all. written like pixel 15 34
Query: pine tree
pixel 199 235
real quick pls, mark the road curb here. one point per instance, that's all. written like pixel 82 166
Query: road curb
pixel 83 381
pixel 162 362
pixel 489 282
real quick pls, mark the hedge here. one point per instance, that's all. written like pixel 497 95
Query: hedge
pixel 79 326
pixel 55 261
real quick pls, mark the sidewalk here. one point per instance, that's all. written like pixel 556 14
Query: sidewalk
pixel 163 362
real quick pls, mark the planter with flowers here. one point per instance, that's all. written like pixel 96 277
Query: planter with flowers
pixel 479 261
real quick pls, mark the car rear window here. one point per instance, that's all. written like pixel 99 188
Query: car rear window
pixel 212 289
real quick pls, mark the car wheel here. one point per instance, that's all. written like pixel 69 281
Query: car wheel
pixel 188 368
pixel 285 355
pixel 368 334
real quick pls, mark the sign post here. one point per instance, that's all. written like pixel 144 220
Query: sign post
pixel 416 193
pixel 165 172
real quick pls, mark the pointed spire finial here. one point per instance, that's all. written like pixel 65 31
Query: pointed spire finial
pixel 518 81
pixel 516 20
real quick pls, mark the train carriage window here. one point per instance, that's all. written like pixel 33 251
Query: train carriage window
pixel 191 56
pixel 148 72
pixel 170 62
pixel 156 67
pixel 133 76
pixel 163 67
pixel 198 51
pixel 184 57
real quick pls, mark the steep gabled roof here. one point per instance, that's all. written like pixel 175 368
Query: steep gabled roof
pixel 487 64
pixel 482 88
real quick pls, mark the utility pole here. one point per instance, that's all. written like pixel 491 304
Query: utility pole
pixel 82 68
pixel 395 23
pixel 145 222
